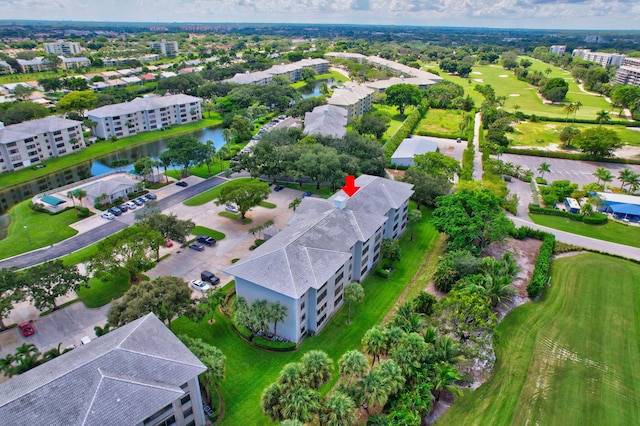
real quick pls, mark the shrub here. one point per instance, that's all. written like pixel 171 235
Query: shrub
pixel 466 173
pixel 543 264
pixel 541 181
pixel 83 212
pixel 244 331
pixel 404 131
pixel 274 345
pixel 569 156
pixel 381 272
pixel 594 219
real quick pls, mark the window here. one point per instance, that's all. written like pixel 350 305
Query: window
pixel 339 277
pixel 185 399
pixel 364 261
pixel 184 386
pixel 322 308
pixel 57 132
pixel 337 301
pixel 58 139
pixel 303 317
pixel 60 145
pixel 362 272
pixel 303 329
pixel 302 305
pixel 365 251
pixel 159 414
pixel 321 320
pixel 186 413
pixel 322 296
pixel 338 290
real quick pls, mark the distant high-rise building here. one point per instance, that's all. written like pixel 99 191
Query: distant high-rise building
pixel 167 48
pixel 629 72
pixel 604 59
pixel 62 47
pixel 557 49
pixel 594 39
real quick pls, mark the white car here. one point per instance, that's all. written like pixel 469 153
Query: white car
pixel 200 285
pixel 231 208
pixel 107 215
pixel 131 205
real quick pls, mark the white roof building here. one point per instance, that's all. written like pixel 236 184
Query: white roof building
pixel 410 147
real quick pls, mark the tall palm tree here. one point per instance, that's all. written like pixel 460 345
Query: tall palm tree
pixel 6 365
pixel 353 292
pixel 71 195
pixel 413 217
pixel 229 135
pixel 602 116
pixel 375 389
pixel 271 402
pixel 300 404
pixel 447 351
pixel 278 313
pixel 444 378
pixel 352 364
pixel 295 203
pixel 625 176
pixel 544 168
pixel 568 108
pixel 603 175
pixel 292 374
pixel 338 410
pixel 261 314
pixel 374 343
pixel 576 108
pixel 211 151
pixel 317 367
pixel 80 195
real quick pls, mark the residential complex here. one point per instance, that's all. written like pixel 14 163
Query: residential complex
pixel 5 68
pixel 326 120
pixel 62 47
pixel 292 71
pixel 629 72
pixel 168 48
pixel 144 114
pixel 37 64
pixel 604 59
pixel 73 63
pixel 558 50
pixel 326 245
pixel 24 144
pixel 138 374
pixel 356 99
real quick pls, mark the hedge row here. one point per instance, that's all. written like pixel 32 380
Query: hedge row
pixel 466 173
pixel 534 118
pixel 404 131
pixel 540 275
pixel 440 135
pixel 273 345
pixel 594 219
pixel 569 156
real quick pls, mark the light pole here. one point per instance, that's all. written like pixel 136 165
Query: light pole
pixel 26 231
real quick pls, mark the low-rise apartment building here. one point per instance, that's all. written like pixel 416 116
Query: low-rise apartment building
pixel 629 72
pixel 326 120
pixel 326 245
pixel 558 49
pixel 604 59
pixel 168 48
pixel 30 142
pixel 144 114
pixel 62 47
pixel 139 374
pixel 356 99
pixel 292 71
pixel 5 68
pixel 37 64
pixel 73 63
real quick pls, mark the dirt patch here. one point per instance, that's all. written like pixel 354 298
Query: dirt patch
pixel 628 151
pixel 395 174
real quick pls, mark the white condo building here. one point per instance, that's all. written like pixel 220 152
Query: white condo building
pixel 144 114
pixel 629 72
pixel 167 47
pixel 62 47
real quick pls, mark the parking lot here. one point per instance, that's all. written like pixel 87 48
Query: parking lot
pixel 580 172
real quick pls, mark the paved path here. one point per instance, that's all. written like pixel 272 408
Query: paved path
pixel 102 231
pixel 477 159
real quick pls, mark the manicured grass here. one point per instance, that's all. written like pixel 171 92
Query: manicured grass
pixel 42 229
pixel 396 118
pixel 82 255
pixel 441 123
pixel 526 94
pixel 202 230
pixel 324 191
pixel 332 75
pixel 98 149
pixel 99 293
pixel 542 134
pixel 611 231
pixel 267 205
pixel 210 194
pixel 235 216
pixel 570 359
pixel 250 370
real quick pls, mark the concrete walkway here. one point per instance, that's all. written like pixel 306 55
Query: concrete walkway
pixel 477 159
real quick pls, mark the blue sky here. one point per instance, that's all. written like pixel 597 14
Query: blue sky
pixel 560 14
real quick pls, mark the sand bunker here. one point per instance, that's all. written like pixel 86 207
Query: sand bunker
pixel 503 76
pixel 479 80
pixel 476 72
pixel 514 94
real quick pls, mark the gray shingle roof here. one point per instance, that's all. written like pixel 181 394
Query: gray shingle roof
pixel 326 120
pixel 120 378
pixel 142 104
pixel 31 128
pixel 377 195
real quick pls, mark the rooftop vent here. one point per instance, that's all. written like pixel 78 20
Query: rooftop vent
pixel 340 202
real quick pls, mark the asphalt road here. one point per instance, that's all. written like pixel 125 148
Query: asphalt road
pixel 82 240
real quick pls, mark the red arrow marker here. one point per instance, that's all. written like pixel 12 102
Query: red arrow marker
pixel 350 188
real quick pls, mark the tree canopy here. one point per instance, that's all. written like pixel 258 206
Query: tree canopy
pixel 599 141
pixel 50 280
pixel 402 95
pixel 243 194
pixel 78 101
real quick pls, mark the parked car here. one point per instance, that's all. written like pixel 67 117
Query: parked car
pixel 182 183
pixel 205 239
pixel 85 340
pixel 151 196
pixel 209 277
pixel 200 285
pixel 231 208
pixel 123 207
pixel 169 243
pixel 459 140
pixel 141 199
pixel 307 194
pixel 108 216
pixel 196 246
pixel 138 202
pixel 115 211
pixel 131 205
pixel 278 188
pixel 27 329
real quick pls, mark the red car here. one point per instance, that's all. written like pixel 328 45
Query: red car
pixel 27 329
pixel 169 243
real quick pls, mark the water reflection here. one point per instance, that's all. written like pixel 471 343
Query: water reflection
pixel 313 89
pixel 97 167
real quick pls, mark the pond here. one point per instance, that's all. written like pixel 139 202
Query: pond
pixel 313 89
pixel 96 167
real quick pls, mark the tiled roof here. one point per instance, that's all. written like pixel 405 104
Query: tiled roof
pixel 326 120
pixel 31 128
pixel 377 195
pixel 142 104
pixel 120 378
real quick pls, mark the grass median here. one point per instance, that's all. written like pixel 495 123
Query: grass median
pixel 250 370
pixel 570 359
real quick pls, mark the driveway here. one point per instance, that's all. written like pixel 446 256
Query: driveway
pixel 576 171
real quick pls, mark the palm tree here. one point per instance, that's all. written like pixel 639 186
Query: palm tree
pixel 278 313
pixel 211 151
pixel 222 153
pixel 317 367
pixel 300 404
pixel 338 410
pixel 229 135
pixel 53 353
pixel 295 203
pixel 352 364
pixel 544 168
pixel 602 116
pixel 634 182
pixel 165 160
pixel 80 194
pixel 498 288
pixel 271 401
pixel 444 378
pixel 375 389
pixel 353 292
pixel 374 343
pixel 413 217
pixel 71 195
pixel 603 175
pixel 625 176
pixel 547 71
pixel 568 108
pixel 291 375
pixel 261 314
pixel 6 365
pixel 576 108
pixel 447 351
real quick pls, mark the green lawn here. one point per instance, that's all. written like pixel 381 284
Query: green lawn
pixel 324 191
pixel 396 118
pixel 441 123
pixel 209 195
pixel 203 230
pixel 573 358
pixel 99 293
pixel 235 216
pixel 611 231
pixel 523 94
pixel 42 229
pixel 542 134
pixel 267 205
pixel 250 370
pixel 98 149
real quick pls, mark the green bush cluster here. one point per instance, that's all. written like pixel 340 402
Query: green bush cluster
pixel 537 118
pixel 273 345
pixel 381 272
pixel 404 131
pixel 466 173
pixel 569 156
pixel 543 263
pixel 541 181
pixel 594 219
